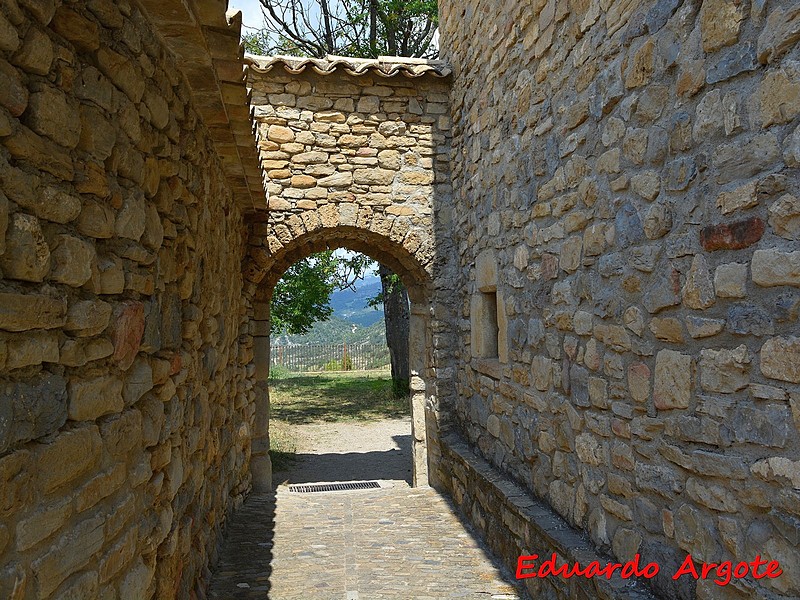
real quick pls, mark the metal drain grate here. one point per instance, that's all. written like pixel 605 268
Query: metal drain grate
pixel 334 487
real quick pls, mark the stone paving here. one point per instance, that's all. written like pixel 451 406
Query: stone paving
pixel 394 542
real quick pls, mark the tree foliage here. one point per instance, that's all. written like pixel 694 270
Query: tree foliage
pixel 302 296
pixel 357 28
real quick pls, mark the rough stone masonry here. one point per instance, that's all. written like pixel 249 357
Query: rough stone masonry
pixel 595 206
pixel 626 191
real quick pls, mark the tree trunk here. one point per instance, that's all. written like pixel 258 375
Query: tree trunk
pixel 396 317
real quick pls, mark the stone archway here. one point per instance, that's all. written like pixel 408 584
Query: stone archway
pixel 355 155
pixel 424 429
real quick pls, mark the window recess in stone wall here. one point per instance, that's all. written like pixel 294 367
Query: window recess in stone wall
pixel 488 318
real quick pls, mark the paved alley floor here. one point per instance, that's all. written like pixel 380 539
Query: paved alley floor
pixel 395 542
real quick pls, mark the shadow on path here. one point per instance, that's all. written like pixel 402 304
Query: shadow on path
pixel 394 464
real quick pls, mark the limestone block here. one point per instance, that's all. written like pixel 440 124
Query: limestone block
pixel 730 280
pixel 780 359
pixel 73 550
pixel 741 160
pixel 368 104
pixel 740 198
pixel 646 184
pixel 779 95
pixel 132 217
pixel 698 292
pixel 67 456
pixel 42 524
pixel 27 255
pixel 107 276
pixel 82 32
pixel 672 386
pixel 779 34
pixel 36 54
pixel 486 271
pixel 9 38
pixel 642 65
pixel 784 217
pixel 725 371
pixel 373 176
pixel 42 10
pixel 50 113
pixel 658 220
pixel 280 134
pixel 668 329
pixel 96 220
pixel 77 353
pixel 127 331
pixel 773 268
pixel 32 348
pixel 72 260
pixel 712 496
pixel 122 72
pixel 94 398
pixel 53 204
pixel 30 410
pixel 639 382
pixel 87 318
pixel 720 22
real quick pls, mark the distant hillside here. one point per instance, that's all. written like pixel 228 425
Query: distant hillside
pixel 335 331
pixel 352 306
pixel 352 322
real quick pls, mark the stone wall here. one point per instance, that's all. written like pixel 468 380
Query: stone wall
pixel 356 155
pixel 125 405
pixel 625 177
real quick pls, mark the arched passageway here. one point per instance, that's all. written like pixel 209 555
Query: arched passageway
pixel 424 428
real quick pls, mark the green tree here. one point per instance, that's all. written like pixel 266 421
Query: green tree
pixel 302 296
pixel 357 28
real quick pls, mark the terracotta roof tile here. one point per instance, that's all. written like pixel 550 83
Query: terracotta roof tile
pixel 384 66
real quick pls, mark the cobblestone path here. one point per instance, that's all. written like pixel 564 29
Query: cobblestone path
pixel 395 542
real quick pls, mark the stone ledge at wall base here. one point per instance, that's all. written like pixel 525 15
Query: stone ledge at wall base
pixel 526 527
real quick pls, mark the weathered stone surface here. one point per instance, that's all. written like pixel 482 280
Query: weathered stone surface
pixel 672 386
pixel 780 359
pixel 780 32
pixel 72 260
pixel 732 236
pixel 725 371
pixel 701 327
pixel 742 160
pixel 87 318
pixel 744 196
pixel 772 268
pixel 93 398
pixel 698 292
pixel 128 328
pixel 20 312
pixel 31 410
pixel 720 22
pixel 730 280
pixel 49 113
pixel 784 217
pixel 27 255
pixel 779 95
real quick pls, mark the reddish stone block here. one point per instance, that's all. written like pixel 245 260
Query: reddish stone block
pixel 732 236
pixel 128 329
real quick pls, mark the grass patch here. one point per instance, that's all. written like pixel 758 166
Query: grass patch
pixel 347 396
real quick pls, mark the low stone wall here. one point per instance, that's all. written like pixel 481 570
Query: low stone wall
pixel 513 524
pixel 124 399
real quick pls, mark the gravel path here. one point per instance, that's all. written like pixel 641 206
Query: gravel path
pixel 351 451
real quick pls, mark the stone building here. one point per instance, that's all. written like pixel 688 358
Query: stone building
pixel 593 203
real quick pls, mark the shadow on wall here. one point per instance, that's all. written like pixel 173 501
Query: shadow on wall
pixel 394 464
